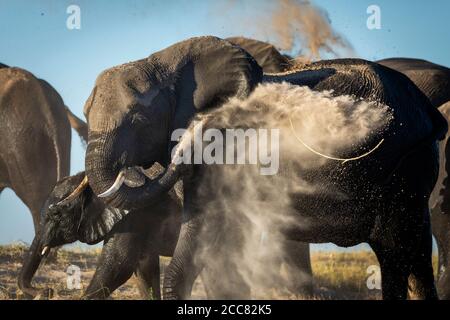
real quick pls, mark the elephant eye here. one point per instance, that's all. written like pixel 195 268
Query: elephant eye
pixel 138 118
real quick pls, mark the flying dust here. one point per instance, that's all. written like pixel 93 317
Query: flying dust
pixel 297 27
pixel 242 242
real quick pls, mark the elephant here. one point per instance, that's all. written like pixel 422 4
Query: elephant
pixel 440 213
pixel 35 137
pixel 134 108
pixel 431 78
pixel 133 244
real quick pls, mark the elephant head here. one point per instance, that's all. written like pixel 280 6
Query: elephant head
pixel 134 108
pixel 71 213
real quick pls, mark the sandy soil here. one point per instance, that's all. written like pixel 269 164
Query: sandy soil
pixel 337 275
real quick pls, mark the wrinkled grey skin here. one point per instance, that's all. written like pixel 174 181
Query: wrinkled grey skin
pixel 267 56
pixel 432 79
pixel 134 108
pixel 132 245
pixel 35 137
pixel 440 213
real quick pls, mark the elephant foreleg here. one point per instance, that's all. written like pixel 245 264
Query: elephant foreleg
pixel 184 267
pixel 118 261
pixel 394 273
pixel 403 249
pixel 441 230
pixel 297 263
pixel 422 277
pixel 149 276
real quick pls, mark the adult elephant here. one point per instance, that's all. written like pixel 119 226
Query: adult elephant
pixel 134 108
pixel 35 137
pixel 432 79
pixel 131 245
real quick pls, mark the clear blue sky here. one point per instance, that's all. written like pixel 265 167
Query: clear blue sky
pixel 33 36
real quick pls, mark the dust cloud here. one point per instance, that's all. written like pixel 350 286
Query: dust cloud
pixel 242 242
pixel 296 27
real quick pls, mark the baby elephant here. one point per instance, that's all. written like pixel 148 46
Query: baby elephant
pixel 133 241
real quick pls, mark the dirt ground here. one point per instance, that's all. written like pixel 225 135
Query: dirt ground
pixel 337 275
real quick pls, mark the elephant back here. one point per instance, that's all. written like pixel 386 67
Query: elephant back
pixel 415 121
pixel 432 79
pixel 34 104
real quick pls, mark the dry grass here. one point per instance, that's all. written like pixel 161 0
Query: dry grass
pixel 337 275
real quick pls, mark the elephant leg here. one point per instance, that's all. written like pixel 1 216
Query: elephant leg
pixel 225 282
pixel 444 284
pixel 415 229
pixel 183 269
pixel 441 226
pixel 118 261
pixel 36 221
pixel 422 277
pixel 207 280
pixel 404 249
pixel 149 276
pixel 297 262
pixel 403 241
pixel 394 273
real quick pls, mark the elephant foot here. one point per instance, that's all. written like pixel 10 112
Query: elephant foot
pixel 38 294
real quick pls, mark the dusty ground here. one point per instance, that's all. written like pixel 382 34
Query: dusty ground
pixel 337 275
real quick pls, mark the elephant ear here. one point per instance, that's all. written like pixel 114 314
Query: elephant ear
pixel 205 72
pixel 267 56
pixel 97 220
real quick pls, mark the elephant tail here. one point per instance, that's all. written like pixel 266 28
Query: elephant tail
pixel 78 125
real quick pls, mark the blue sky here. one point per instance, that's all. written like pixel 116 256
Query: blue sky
pixel 34 37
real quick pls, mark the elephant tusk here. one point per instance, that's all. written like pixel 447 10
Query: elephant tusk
pixel 115 187
pixel 45 250
pixel 84 183
pixel 344 160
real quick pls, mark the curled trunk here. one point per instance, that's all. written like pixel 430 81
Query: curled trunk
pixel 103 165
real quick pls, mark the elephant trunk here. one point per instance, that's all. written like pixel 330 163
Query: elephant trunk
pixel 31 263
pixel 105 167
